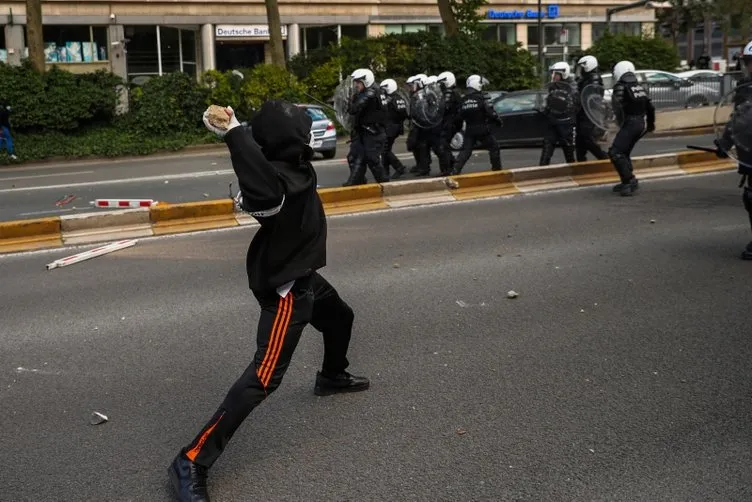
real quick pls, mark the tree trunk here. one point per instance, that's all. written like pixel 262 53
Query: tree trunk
pixel 34 36
pixel 451 26
pixel 275 33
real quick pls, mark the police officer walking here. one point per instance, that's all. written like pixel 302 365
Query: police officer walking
pixel 589 75
pixel 416 83
pixel 478 115
pixel 368 108
pixel 631 105
pixel 452 123
pixel 396 107
pixel 562 104
pixel 429 129
pixel 742 104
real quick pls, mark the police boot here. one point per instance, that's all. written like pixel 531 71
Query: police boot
pixel 328 384
pixel 188 480
pixel 357 173
pixel 747 253
pixel 629 189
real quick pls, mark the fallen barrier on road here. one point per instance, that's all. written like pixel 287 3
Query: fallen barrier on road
pixel 164 219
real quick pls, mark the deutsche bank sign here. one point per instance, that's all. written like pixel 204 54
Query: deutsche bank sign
pixel 245 31
pixel 550 12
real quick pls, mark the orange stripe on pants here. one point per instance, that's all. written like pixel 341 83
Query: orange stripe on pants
pixel 276 341
pixel 193 452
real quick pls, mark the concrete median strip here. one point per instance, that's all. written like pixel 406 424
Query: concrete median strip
pixel 164 219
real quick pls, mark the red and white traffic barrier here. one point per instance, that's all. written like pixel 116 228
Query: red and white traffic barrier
pixel 122 203
pixel 92 253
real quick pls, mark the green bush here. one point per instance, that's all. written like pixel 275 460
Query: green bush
pixel 172 103
pixel 266 81
pixel 647 53
pixel 57 100
pixel 103 141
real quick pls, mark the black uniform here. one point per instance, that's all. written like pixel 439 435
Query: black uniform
pixel 369 112
pixel 428 138
pixel 631 104
pixel 278 187
pixel 742 96
pixel 452 122
pixel 395 127
pixel 586 130
pixel 479 118
pixel 356 151
pixel 562 105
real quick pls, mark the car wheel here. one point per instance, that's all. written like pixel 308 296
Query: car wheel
pixel 696 101
pixel 329 154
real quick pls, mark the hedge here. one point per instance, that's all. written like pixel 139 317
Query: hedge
pixel 648 53
pixel 61 114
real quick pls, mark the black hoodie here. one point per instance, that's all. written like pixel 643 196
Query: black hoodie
pixel 278 184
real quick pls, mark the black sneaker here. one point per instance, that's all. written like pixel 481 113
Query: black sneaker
pixel 188 480
pixel 747 253
pixel 343 382
pixel 617 188
pixel 628 189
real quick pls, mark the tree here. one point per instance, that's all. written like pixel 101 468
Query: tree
pixel 35 39
pixel 451 27
pixel 275 33
pixel 461 16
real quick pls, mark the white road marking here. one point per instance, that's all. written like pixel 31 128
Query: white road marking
pixel 49 211
pixel 164 177
pixel 44 176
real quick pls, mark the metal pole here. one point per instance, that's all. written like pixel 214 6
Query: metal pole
pixel 541 56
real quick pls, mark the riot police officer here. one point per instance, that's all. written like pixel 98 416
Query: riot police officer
pixel 368 108
pixel 415 84
pixel 452 123
pixel 631 105
pixel 561 110
pixel 479 116
pixel 427 114
pixel 395 126
pixel 742 104
pixel 589 75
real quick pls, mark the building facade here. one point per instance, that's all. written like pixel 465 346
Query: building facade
pixel 137 39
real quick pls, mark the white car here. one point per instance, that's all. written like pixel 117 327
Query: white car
pixel 671 90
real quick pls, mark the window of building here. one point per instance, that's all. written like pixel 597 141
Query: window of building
pixel 74 44
pixel 156 50
pixel 633 29
pixel 505 33
pixel 318 37
pixel 398 29
pixel 355 31
pixel 555 34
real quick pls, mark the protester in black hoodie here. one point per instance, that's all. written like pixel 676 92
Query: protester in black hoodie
pixel 278 188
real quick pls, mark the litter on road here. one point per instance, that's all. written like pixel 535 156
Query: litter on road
pixel 92 253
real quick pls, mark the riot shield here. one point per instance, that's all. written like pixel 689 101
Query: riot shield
pixel 596 102
pixel 343 96
pixel 733 123
pixel 427 107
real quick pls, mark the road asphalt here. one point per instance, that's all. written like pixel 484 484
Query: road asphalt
pixel 621 372
pixel 42 190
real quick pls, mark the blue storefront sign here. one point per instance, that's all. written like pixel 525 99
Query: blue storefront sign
pixel 548 11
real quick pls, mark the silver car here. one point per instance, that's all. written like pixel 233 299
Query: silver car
pixel 669 90
pixel 324 132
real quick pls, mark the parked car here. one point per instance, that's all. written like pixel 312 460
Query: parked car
pixel 669 90
pixel 324 132
pixel 523 123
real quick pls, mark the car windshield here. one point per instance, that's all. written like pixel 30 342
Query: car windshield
pixel 316 113
pixel 516 103
pixel 656 78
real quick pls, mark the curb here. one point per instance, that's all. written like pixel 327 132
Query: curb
pixel 165 219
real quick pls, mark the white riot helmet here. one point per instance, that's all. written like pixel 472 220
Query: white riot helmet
pixel 476 82
pixel 448 79
pixel 389 86
pixel 587 63
pixel 417 81
pixel 622 68
pixel 432 80
pixel 562 68
pixel 746 56
pixel 364 75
